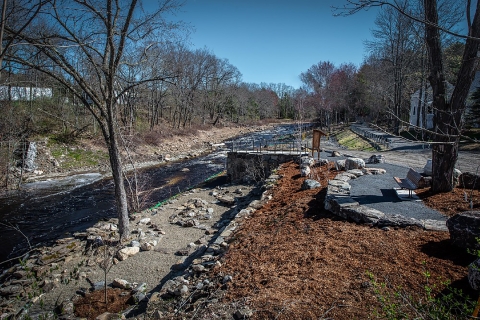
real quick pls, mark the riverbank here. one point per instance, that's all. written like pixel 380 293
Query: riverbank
pixel 167 237
pixel 58 160
pixel 290 260
pixel 268 253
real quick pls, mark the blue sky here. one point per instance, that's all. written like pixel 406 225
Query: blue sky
pixel 274 41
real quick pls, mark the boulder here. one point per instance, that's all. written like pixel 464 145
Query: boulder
pixel 10 290
pixel 148 246
pixel 340 165
pixel 121 283
pixel 144 221
pixel 474 275
pixel 305 171
pixel 306 160
pixel 124 253
pixel 310 184
pixel 356 172
pixel 376 158
pixel 469 180
pixel 66 309
pixel 321 162
pixel 342 185
pixel 464 229
pixel 374 171
pixel 362 214
pixel 398 221
pixel 354 163
pixel 228 200
pixel 336 154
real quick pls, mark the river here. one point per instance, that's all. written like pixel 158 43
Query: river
pixel 45 211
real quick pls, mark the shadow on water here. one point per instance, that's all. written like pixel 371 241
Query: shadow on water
pixel 44 212
pixel 43 216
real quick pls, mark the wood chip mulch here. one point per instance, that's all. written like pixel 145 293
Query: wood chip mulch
pixel 293 260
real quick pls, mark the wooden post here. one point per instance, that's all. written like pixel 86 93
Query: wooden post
pixel 317 135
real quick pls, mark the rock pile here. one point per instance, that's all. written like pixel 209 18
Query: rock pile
pixel 464 229
pixel 197 284
pixel 70 259
pixel 192 213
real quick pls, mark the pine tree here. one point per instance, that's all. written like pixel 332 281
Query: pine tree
pixel 472 117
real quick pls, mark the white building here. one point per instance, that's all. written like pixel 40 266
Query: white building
pixel 24 93
pixel 418 104
pixel 421 107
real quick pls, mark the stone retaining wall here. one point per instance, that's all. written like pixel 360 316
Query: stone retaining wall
pixel 251 166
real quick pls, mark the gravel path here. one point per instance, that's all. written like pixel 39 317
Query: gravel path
pixel 376 191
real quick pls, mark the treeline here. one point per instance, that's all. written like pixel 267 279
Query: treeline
pixel 196 88
pixel 395 67
pixel 186 87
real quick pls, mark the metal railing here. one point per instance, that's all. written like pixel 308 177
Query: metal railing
pixel 375 138
pixel 269 145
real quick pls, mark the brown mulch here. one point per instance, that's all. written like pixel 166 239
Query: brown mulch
pixel 293 260
pixel 93 304
pixel 453 202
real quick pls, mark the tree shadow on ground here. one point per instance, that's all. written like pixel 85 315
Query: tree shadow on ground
pixel 388 195
pixel 446 250
pixel 316 208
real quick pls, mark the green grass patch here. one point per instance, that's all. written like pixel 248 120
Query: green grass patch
pixel 70 157
pixel 352 141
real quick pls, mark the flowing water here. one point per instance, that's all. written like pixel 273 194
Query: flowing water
pixel 44 211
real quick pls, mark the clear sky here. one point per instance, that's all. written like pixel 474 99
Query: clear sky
pixel 273 41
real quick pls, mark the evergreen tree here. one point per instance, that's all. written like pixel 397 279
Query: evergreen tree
pixel 472 117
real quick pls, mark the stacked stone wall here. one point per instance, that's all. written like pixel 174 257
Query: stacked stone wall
pixel 244 166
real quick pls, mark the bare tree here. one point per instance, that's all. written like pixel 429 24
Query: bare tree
pixel 394 43
pixel 17 14
pixel 448 115
pixel 221 75
pixel 448 111
pixel 84 45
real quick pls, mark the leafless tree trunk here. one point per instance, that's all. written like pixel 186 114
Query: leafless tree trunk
pixel 448 113
pixel 92 65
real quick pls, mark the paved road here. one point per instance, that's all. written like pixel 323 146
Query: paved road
pixel 408 154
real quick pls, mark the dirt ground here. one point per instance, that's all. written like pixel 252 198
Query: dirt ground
pixel 294 260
